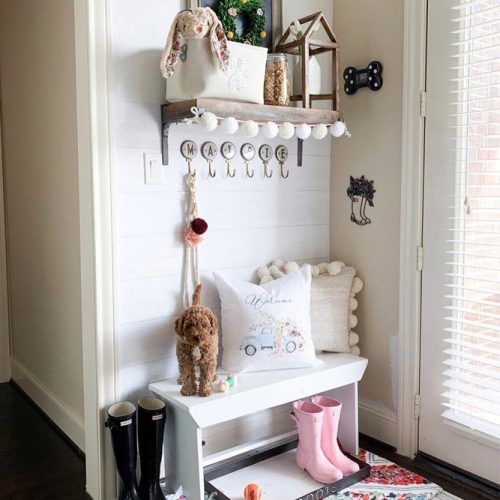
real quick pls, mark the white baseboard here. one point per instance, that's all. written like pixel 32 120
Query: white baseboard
pixel 378 422
pixel 65 418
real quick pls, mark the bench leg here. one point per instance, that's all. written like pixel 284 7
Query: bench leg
pixel 348 427
pixel 183 454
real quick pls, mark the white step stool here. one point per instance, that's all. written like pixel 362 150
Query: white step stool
pixel 338 376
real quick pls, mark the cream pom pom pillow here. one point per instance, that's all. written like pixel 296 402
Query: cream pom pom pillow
pixel 333 290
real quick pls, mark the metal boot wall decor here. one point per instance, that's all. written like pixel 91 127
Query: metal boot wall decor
pixel 361 192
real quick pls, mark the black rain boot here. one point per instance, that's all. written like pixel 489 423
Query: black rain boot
pixel 151 418
pixel 121 422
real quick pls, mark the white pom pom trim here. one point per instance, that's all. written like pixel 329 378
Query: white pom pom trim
pixel 276 272
pixel 291 267
pixel 279 269
pixel 355 350
pixel 323 268
pixel 334 268
pixel 262 271
pixel 357 285
pixel 353 321
pixel 353 339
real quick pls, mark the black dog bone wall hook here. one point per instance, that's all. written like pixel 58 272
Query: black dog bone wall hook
pixel 370 77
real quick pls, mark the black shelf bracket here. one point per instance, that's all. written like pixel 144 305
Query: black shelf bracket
pixel 165 130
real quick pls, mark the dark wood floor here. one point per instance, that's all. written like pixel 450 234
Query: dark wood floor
pixel 36 463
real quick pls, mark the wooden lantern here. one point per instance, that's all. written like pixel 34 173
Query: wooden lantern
pixel 308 46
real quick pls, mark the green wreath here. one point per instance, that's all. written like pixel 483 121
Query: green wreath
pixel 228 11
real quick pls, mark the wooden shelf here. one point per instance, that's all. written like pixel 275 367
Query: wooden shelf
pixel 176 112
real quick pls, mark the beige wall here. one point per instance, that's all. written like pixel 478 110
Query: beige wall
pixel 370 30
pixel 37 68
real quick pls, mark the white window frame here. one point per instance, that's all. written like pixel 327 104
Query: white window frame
pixel 415 40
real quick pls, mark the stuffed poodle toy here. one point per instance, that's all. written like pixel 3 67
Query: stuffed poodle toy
pixel 196 23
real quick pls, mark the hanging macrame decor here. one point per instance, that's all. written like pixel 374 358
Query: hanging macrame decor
pixel 195 228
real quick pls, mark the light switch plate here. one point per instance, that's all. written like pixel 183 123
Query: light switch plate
pixel 153 170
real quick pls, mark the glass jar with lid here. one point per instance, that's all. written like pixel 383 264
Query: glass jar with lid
pixel 277 81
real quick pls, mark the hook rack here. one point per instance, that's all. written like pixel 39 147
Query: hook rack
pixel 209 151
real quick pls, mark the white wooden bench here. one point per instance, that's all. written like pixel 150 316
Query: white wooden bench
pixel 188 416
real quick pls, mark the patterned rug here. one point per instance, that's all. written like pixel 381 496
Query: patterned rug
pixel 390 481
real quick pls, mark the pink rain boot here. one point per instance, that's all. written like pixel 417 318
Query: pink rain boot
pixel 331 411
pixel 310 458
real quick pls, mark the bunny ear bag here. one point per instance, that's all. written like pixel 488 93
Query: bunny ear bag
pixel 171 54
pixel 218 41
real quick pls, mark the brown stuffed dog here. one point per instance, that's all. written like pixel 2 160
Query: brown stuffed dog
pixel 197 344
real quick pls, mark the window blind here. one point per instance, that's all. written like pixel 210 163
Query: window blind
pixel 471 372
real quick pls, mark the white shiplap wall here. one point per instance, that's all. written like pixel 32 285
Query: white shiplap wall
pixel 251 221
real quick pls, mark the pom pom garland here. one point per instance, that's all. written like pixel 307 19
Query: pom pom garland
pixel 250 128
pixel 338 129
pixel 303 131
pixel 270 130
pixel 278 262
pixel 314 271
pixel 229 125
pixel 208 121
pixel 319 131
pixel 286 130
pixel 266 279
pixel 199 225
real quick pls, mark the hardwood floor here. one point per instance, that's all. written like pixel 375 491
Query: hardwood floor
pixel 36 462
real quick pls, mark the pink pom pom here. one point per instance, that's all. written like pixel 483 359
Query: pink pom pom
pixel 191 239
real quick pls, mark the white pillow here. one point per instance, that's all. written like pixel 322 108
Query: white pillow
pixel 266 327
